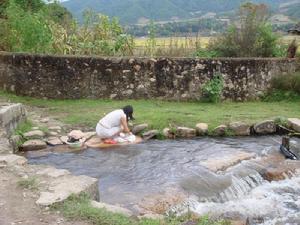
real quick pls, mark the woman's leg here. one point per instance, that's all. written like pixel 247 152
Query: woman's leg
pixel 114 131
pixel 105 133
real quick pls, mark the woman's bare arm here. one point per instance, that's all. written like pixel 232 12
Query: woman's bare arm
pixel 124 125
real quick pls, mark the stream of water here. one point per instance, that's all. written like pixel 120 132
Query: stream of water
pixel 130 173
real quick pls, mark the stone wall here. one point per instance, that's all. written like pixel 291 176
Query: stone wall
pixel 11 115
pixel 72 77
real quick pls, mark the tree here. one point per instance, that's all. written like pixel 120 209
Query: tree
pixel 26 5
pixel 251 37
pixel 24 30
pixel 59 14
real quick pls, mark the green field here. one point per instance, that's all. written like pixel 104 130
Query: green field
pixel 192 42
pixel 161 114
pixel 171 41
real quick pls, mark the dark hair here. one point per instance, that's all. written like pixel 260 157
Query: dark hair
pixel 128 110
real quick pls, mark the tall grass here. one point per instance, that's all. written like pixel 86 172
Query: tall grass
pixel 289 82
pixel 171 46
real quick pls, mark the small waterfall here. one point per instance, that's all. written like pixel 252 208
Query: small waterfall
pixel 240 187
pixel 277 202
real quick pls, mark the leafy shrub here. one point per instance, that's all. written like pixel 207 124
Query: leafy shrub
pixel 206 53
pixel 284 87
pixel 279 95
pixel 212 90
pixel 290 82
pixel 252 38
pixel 25 31
pixel 282 121
pixel 99 35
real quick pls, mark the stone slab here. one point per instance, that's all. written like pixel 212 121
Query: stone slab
pixel 150 134
pixel 11 160
pixel 53 141
pixel 62 188
pixel 222 163
pixel 33 145
pixel 139 128
pixel 294 123
pixel 35 134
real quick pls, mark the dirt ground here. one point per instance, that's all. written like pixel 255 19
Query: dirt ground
pixel 17 205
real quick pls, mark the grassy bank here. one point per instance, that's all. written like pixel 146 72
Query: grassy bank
pixel 79 208
pixel 161 114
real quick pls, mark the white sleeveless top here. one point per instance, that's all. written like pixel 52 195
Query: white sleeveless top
pixel 112 119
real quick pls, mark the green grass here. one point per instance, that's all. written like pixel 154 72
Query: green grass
pixel 79 208
pixel 29 183
pixel 24 127
pixel 161 114
pixel 21 129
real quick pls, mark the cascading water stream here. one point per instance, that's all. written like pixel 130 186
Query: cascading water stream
pixel 129 174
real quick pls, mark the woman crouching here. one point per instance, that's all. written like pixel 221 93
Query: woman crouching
pixel 113 127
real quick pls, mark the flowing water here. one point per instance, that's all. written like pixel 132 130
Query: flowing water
pixel 132 173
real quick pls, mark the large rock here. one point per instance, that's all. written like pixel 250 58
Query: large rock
pixel 76 134
pixel 35 134
pixel 222 163
pixel 139 128
pixel 56 128
pixel 220 130
pixel 112 208
pixel 185 132
pixel 265 127
pixel 53 141
pixel 150 134
pixel 240 128
pixel 61 189
pixel 12 160
pixel 168 133
pixel 281 171
pixel 89 135
pixel 64 139
pixel 33 145
pixel 53 133
pixel 202 129
pixel 294 123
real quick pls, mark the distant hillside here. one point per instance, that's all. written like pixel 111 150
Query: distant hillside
pixel 294 11
pixel 134 11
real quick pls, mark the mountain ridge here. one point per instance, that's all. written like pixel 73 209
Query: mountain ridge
pixel 131 11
